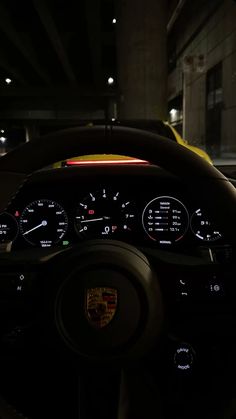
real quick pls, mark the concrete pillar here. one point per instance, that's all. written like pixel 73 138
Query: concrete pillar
pixel 31 132
pixel 142 58
pixel 111 109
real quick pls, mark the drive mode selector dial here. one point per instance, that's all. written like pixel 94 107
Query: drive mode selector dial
pixel 165 220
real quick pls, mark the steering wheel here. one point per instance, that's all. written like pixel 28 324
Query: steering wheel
pixel 102 300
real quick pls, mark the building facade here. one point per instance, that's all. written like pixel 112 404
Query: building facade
pixel 202 74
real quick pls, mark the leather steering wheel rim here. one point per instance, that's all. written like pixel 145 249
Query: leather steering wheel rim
pixel 217 193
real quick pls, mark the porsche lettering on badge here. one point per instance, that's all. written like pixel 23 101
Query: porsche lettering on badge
pixel 101 305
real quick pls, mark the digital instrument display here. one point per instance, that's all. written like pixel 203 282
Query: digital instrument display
pixel 8 228
pixel 203 228
pixel 165 220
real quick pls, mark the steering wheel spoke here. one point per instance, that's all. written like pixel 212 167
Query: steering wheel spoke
pixel 21 291
pixel 198 294
pixel 193 277
pixel 120 393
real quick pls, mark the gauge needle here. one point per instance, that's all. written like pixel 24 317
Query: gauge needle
pixel 93 219
pixel 43 224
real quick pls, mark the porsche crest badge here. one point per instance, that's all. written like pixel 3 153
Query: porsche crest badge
pixel 100 306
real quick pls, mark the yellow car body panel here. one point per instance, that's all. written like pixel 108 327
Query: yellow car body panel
pixel 184 143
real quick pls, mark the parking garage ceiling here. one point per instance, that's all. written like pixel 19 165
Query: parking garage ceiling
pixel 56 42
pixel 59 42
pixel 58 55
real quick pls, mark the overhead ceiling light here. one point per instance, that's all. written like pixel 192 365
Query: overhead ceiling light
pixel 113 119
pixel 2 139
pixel 114 20
pixel 110 81
pixel 8 80
pixel 2 131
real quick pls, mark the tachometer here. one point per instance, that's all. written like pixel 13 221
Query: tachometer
pixel 43 223
pixel 165 219
pixel 203 228
pixel 105 213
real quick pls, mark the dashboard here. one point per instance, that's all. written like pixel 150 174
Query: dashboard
pixel 138 204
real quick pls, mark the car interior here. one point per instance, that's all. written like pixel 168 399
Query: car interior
pixel 117 209
pixel 148 237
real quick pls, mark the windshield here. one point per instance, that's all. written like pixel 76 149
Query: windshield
pixel 168 67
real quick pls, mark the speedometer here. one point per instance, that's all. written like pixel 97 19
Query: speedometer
pixel 43 223
pixel 165 219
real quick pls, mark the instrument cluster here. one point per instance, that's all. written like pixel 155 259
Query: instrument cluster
pixel 162 220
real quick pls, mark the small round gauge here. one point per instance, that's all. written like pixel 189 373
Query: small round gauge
pixel 8 228
pixel 203 228
pixel 104 213
pixel 43 223
pixel 165 220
